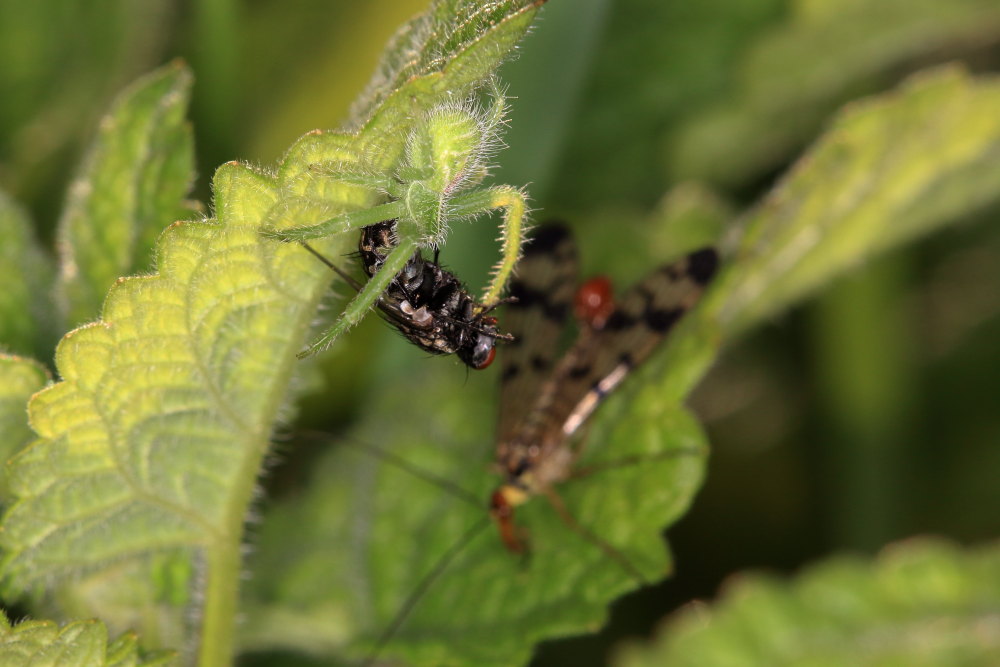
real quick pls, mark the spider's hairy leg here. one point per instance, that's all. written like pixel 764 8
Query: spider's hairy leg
pixel 514 205
pixel 338 224
pixel 371 181
pixel 366 298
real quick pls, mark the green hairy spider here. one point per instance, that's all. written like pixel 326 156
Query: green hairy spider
pixel 437 182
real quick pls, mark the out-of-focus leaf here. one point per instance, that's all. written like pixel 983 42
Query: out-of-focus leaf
pixel 922 602
pixel 62 63
pixel 658 61
pixel 343 47
pixel 890 169
pixel 81 643
pixel 546 88
pixel 26 273
pixel 358 542
pixel 19 379
pixel 827 52
pixel 130 188
pixel 690 216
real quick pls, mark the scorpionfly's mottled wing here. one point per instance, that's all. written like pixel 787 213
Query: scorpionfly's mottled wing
pixel 542 293
pixel 534 451
pixel 601 358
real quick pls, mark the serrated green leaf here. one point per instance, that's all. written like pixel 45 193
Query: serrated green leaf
pixel 826 53
pixel 442 55
pixel 83 643
pixel 350 550
pixel 131 186
pixel 922 602
pixel 26 274
pixel 449 48
pixel 19 379
pixel 152 441
pixel 890 169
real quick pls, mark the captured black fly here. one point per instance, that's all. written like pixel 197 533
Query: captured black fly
pixel 427 303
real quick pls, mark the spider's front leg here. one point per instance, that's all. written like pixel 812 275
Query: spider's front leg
pixel 367 297
pixel 338 224
pixel 514 205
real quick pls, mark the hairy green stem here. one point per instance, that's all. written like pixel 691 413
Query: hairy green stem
pixel 223 568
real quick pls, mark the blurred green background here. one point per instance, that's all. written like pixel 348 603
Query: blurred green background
pixel 865 416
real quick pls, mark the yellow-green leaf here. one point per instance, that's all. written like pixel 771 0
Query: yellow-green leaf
pixel 150 445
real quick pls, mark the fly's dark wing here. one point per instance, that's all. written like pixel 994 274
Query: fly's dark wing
pixel 544 287
pixel 602 358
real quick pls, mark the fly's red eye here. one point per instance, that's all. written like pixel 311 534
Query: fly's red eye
pixel 488 360
pixel 594 302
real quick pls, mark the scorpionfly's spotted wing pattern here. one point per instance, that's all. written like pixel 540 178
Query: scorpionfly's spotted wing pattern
pixel 426 303
pixel 543 401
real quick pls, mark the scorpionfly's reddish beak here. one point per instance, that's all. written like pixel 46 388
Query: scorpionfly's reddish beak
pixel 503 513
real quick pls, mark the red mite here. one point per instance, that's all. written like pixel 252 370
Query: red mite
pixel 594 302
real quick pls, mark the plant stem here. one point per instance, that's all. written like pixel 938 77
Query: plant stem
pixel 218 627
